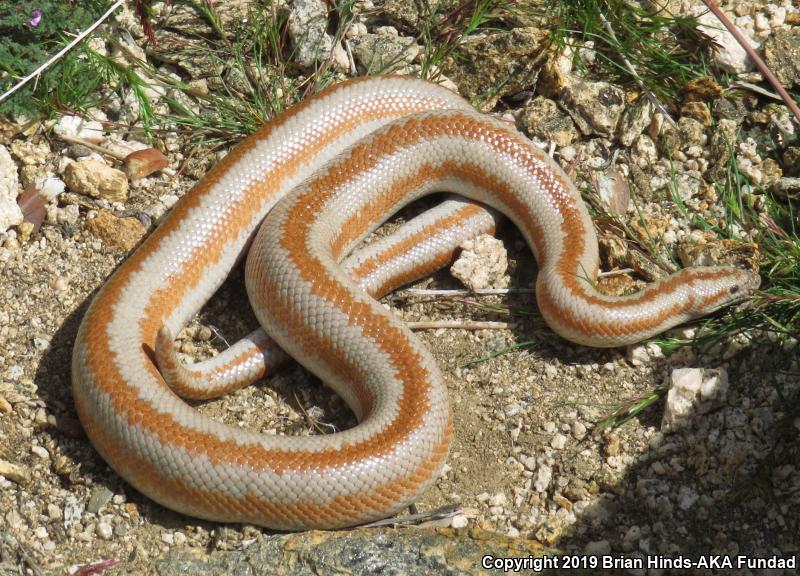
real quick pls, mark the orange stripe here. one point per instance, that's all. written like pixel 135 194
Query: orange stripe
pixel 125 397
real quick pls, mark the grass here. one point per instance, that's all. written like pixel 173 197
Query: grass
pixel 666 50
pixel 26 42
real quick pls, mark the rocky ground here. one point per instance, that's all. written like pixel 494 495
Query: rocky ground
pixel 711 469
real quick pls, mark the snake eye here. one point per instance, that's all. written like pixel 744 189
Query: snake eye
pixel 734 289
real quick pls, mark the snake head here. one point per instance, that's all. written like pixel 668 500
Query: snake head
pixel 715 287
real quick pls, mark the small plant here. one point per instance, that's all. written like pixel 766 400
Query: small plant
pixel 29 34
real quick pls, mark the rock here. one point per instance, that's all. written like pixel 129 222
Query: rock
pixel 189 53
pixel 385 51
pixel 96 179
pixel 698 111
pixel 10 214
pixel 14 472
pixel 100 497
pixel 482 264
pixel 598 548
pixel 705 249
pixel 124 233
pixel 77 127
pixel 558 442
pixel 497 64
pixel 596 107
pixel 634 120
pixel 410 15
pixel 142 163
pixel 686 497
pixel 688 133
pixel 189 21
pixel 702 89
pixel 544 475
pixel 543 119
pixel 791 161
pixel 308 25
pixel 784 187
pixel 104 530
pixel 641 354
pixel 361 552
pixel 728 54
pixel 782 56
pixel 693 391
pixel 50 186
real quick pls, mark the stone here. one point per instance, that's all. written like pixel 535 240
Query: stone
pixel 727 53
pixel 383 52
pixel 10 213
pixel 543 119
pixel 595 107
pixel 308 25
pixel 361 551
pixel 634 120
pixel 96 179
pixel 496 65
pixel 77 127
pixel 706 249
pixel 693 391
pixel 782 56
pixel 123 233
pixel 482 264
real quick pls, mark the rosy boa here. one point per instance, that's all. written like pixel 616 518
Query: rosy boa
pixel 340 163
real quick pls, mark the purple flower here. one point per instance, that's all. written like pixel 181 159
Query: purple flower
pixel 37 17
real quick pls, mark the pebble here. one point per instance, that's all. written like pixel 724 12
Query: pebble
pixel 598 548
pixel 10 214
pixel 73 511
pixel 693 391
pixel 14 472
pixel 104 530
pixel 578 430
pixel 97 179
pixel 483 263
pixel 41 452
pixel 558 442
pixel 77 127
pixel 686 498
pixel 100 497
pixel 544 475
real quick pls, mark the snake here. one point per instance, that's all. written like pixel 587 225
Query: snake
pixel 295 199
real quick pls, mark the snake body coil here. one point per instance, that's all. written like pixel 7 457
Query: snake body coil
pixel 342 161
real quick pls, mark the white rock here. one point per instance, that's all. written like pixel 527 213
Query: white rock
pixel 104 530
pixel 729 54
pixel 498 499
pixel 558 441
pixel 544 475
pixel 10 214
pixel 693 391
pixel 41 452
pixel 638 354
pixel 50 186
pixel 482 264
pixel 459 521
pixel 77 127
pixel 308 24
pixel 73 511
